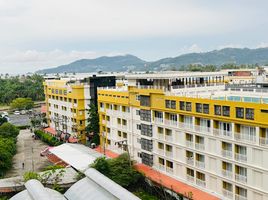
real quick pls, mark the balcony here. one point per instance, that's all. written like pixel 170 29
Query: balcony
pixel 171 123
pixel 222 133
pixel 190 160
pixel 227 153
pixel 169 170
pixel 161 167
pixel 103 121
pixel 190 178
pixel 240 157
pixel 101 109
pixel 189 144
pixel 200 146
pixel 228 194
pixel 200 182
pixel 245 137
pixel 169 154
pixel 160 136
pixel 227 173
pixel 169 138
pixel 263 141
pixel 158 120
pixel 240 178
pixel 202 129
pixel 161 151
pixel 239 197
pixel 200 164
pixel 186 126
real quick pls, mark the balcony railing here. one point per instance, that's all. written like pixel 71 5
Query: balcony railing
pixel 158 120
pixel 200 182
pixel 171 123
pixel 189 143
pixel 161 167
pixel 103 121
pixel 169 138
pixel 169 154
pixel 227 173
pixel 186 126
pixel 228 194
pixel 169 170
pixel 245 137
pixel 240 157
pixel 161 151
pixel 200 164
pixel 222 133
pixel 202 129
pixel 263 141
pixel 239 197
pixel 101 109
pixel 160 136
pixel 200 146
pixel 190 160
pixel 227 153
pixel 240 178
pixel 190 178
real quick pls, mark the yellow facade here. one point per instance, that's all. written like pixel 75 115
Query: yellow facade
pixel 61 93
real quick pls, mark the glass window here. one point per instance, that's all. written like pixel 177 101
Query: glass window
pixel 217 110
pixel 250 113
pixel 188 106
pixel 182 105
pixel 239 112
pixel 206 108
pixel 198 107
pixel 226 111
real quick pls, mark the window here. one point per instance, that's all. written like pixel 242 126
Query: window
pixel 146 130
pixel 147 159
pixel 137 112
pixel 75 100
pixel 145 115
pixel 182 105
pixel 217 110
pixel 250 113
pixel 226 111
pixel 239 112
pixel 146 144
pixel 198 107
pixel 145 100
pixel 206 108
pixel 188 106
pixel 138 98
pixel 171 104
pixel 138 127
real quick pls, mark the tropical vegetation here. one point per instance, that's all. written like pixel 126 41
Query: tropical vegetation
pixel 47 138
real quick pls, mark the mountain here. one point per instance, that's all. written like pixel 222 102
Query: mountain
pixel 105 63
pixel 130 62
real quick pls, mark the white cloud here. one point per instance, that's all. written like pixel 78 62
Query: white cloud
pixel 262 45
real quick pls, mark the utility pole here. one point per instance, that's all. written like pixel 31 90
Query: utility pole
pixel 124 143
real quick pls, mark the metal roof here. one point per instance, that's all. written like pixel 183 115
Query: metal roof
pixel 76 155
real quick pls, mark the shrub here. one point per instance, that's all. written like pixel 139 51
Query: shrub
pixel 23 127
pixel 49 139
pixel 31 175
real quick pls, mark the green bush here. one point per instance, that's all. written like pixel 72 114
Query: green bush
pixel 31 175
pixel 23 127
pixel 49 139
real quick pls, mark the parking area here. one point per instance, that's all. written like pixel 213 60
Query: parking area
pixel 19 120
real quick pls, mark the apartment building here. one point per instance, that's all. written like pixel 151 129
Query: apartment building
pixel 193 128
pixel 67 101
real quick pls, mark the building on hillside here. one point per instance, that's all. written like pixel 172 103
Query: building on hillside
pixel 67 101
pixel 193 128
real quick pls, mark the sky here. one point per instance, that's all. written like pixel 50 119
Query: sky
pixel 38 34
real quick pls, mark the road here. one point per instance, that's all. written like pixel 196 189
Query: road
pixel 28 152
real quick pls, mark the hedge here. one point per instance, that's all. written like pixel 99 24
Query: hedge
pixel 23 127
pixel 47 138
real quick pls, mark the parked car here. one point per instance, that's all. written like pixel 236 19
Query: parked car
pixel 17 112
pixel 23 112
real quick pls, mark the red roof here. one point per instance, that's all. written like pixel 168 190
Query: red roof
pixel 43 108
pixel 108 153
pixel 72 139
pixel 50 130
pixel 166 181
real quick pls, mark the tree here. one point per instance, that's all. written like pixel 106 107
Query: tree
pixel 93 123
pixel 22 103
pixel 8 130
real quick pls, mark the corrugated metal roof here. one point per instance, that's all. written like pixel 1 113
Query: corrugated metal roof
pixel 76 155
